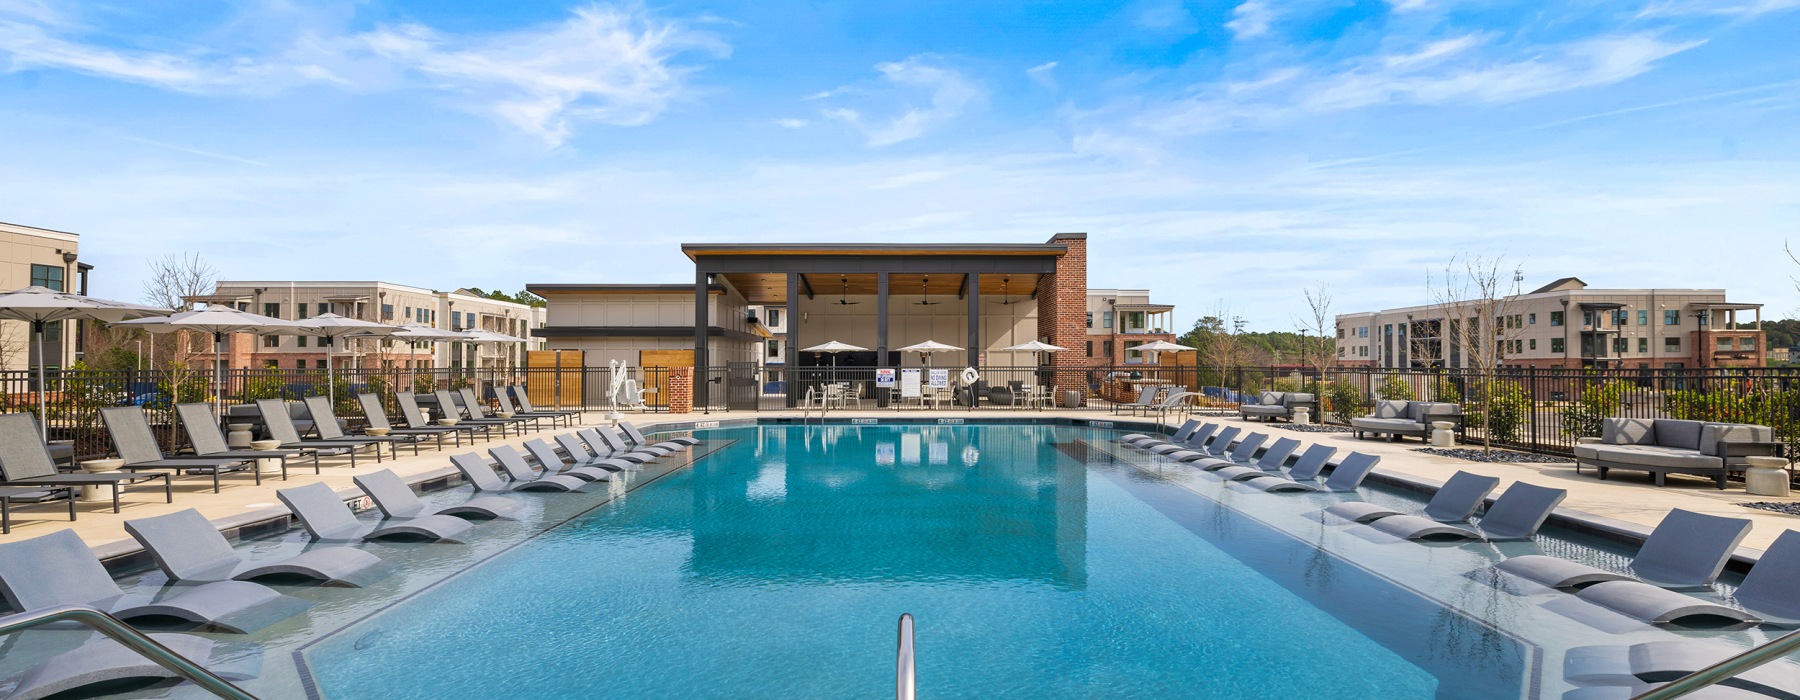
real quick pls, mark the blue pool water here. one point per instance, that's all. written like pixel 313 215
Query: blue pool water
pixel 1036 563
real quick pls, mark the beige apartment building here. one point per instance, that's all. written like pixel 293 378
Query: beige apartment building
pixel 382 302
pixel 648 325
pixel 31 256
pixel 1119 320
pixel 1566 324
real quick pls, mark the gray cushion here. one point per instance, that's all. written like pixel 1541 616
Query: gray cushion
pixel 1263 410
pixel 1649 456
pixel 1678 433
pixel 1415 411
pixel 1390 409
pixel 1270 398
pixel 1712 433
pixel 1386 425
pixel 1439 410
pixel 1295 397
pixel 1627 431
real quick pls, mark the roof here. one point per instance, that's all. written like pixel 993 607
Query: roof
pixel 695 250
pixel 42 232
pixel 1726 306
pixel 1144 307
pixel 1561 285
pixel 543 289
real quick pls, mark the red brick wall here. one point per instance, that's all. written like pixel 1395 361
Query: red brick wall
pixel 1062 311
pixel 681 390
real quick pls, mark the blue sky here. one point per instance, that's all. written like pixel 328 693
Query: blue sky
pixel 1224 154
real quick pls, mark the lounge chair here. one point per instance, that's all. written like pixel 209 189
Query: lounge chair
pixel 58 569
pixel 203 433
pixel 578 451
pixel 327 518
pixel 376 416
pixel 1146 400
pixel 452 408
pixel 416 420
pixel 1242 453
pixel 25 494
pixel 1142 439
pixel 1768 593
pixel 480 474
pixel 281 427
pixel 1687 550
pixel 1202 448
pixel 478 411
pixel 523 477
pixel 189 549
pixel 325 423
pixel 523 398
pixel 637 436
pixel 504 398
pixel 620 450
pixel 1172 446
pixel 1454 502
pixel 1194 445
pixel 25 462
pixel 1515 515
pixel 396 499
pixel 132 438
pixel 1347 476
pixel 102 661
pixel 1269 463
pixel 1654 663
pixel 554 464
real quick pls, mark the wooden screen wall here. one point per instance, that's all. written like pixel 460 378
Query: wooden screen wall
pixel 544 369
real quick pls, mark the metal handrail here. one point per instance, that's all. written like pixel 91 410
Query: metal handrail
pixel 134 640
pixel 906 684
pixel 1711 675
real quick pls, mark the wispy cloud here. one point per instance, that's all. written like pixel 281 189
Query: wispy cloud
pixel 1044 74
pixel 1251 19
pixel 932 95
pixel 791 123
pixel 1742 8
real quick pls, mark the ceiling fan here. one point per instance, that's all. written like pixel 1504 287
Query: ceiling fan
pixel 1005 296
pixel 925 289
pixel 846 292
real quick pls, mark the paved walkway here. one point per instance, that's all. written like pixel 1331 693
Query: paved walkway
pixel 1628 497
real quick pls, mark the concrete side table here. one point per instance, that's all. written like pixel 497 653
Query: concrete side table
pixel 1766 476
pixel 1443 433
pixel 1301 416
pixel 93 492
pixel 267 465
pixel 239 438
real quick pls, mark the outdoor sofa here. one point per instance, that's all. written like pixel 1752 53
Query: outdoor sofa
pixel 1279 404
pixel 1662 446
pixel 1405 418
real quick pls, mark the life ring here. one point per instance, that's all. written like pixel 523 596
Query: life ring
pixel 970 376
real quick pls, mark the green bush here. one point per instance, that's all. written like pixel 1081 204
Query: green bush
pixel 1286 384
pixel 264 386
pixel 1758 404
pixel 1346 400
pixel 424 384
pixel 1395 388
pixel 1586 416
pixel 1511 406
pixel 1442 389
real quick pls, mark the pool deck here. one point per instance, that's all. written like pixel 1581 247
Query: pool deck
pixel 1630 498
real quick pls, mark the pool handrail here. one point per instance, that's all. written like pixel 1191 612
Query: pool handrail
pixel 906 684
pixel 1711 675
pixel 116 629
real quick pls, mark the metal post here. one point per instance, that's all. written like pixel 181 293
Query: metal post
pixel 906 682
pixel 791 363
pixel 701 321
pixel 881 331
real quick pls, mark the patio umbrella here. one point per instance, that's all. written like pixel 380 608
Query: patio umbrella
pixel 833 347
pixel 1161 346
pixel 334 326
pixel 416 333
pixel 219 321
pixel 928 347
pixel 477 335
pixel 1034 346
pixel 41 305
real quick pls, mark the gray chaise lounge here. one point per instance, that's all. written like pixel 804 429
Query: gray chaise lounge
pixel 1242 453
pixel 620 450
pixel 281 427
pixel 101 660
pixel 37 494
pixel 472 404
pixel 553 463
pixel 132 438
pixel 325 423
pixel 1768 594
pixel 524 478
pixel 1405 419
pixel 1666 446
pixel 376 416
pixel 1687 550
pixel 189 549
pixel 1306 468
pixel 524 400
pixel 415 419
pixel 578 451
pixel 1270 461
pixel 1516 515
pixel 480 474
pixel 203 433
pixel 1279 404
pixel 1348 475
pixel 1454 502
pixel 25 462
pixel 57 569
pixel 504 399
pixel 327 518
pixel 678 443
pixel 1194 446
pixel 395 499
pixel 1150 439
pixel 1639 666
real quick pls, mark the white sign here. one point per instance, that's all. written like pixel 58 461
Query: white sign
pixel 940 378
pixel 884 377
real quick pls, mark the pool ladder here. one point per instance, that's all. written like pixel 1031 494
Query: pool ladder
pixel 134 640
pixel 904 681
pixel 1711 675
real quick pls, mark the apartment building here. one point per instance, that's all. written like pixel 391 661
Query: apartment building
pixel 1119 320
pixel 382 302
pixel 31 256
pixel 771 323
pixel 1566 324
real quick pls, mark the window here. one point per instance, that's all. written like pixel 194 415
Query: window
pixel 774 348
pixel 47 276
pixel 1340 351
pixel 1724 345
pixel 1643 345
pixel 387 312
pixel 1556 345
pixel 299 311
pixel 1746 343
pixel 1533 343
pixel 1518 346
pixel 300 342
pixel 1671 345
pixel 1643 317
pixel 1090 324
pixel 1518 321
pixel 324 307
pixel 1106 348
pixel 774 317
pixel 1671 317
pixel 1556 318
pixel 272 310
pixel 456 320
pixel 1531 319
pixel 271 364
pixel 1363 332
pixel 1340 334
pixel 1090 344
pixel 1134 320
pixel 1619 346
pixel 1621 317
pixel 1587 319
pixel 271 341
pixel 318 364
pixel 1106 321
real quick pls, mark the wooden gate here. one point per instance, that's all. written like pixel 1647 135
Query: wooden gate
pixel 553 378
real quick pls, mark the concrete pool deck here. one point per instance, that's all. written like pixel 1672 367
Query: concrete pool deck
pixel 1627 497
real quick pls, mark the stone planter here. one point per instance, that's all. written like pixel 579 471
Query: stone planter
pixel 376 432
pixel 270 465
pixel 447 422
pixel 94 492
pixel 1766 476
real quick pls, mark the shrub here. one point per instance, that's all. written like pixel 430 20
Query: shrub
pixel 1346 400
pixel 1286 384
pixel 1395 388
pixel 1586 416
pixel 1511 409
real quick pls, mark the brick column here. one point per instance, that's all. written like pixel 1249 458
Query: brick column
pixel 681 390
pixel 1062 312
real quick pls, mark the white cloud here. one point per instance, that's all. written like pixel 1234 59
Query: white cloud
pixel 791 123
pixel 932 95
pixel 1409 5
pixel 1251 19
pixel 1044 75
pixel 1746 8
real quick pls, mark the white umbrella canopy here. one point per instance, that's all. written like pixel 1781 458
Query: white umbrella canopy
pixel 476 335
pixel 834 347
pixel 421 332
pixel 930 346
pixel 219 321
pixel 1034 346
pixel 334 326
pixel 41 305
pixel 1162 346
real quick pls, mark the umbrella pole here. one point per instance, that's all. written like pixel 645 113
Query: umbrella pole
pixel 37 328
pixel 218 372
pixel 330 373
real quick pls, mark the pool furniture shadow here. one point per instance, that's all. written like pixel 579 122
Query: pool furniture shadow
pixel 525 479
pixel 1278 404
pixel 325 422
pixel 1665 446
pixel 396 499
pixel 376 416
pixel 132 437
pixel 100 662
pixel 189 549
pixel 203 433
pixel 578 452
pixel 281 427
pixel 327 518
pixel 480 474
pixel 24 494
pixel 524 400
pixel 58 569
pixel 1515 515
pixel 554 463
pixel 1405 419
pixel 25 462
pixel 1454 502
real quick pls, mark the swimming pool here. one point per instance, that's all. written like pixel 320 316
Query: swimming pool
pixel 1039 561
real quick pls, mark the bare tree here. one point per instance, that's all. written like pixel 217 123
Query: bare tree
pixel 1321 322
pixel 1475 298
pixel 174 280
pixel 1224 347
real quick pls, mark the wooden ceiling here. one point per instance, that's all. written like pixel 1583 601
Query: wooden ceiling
pixel 771 288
